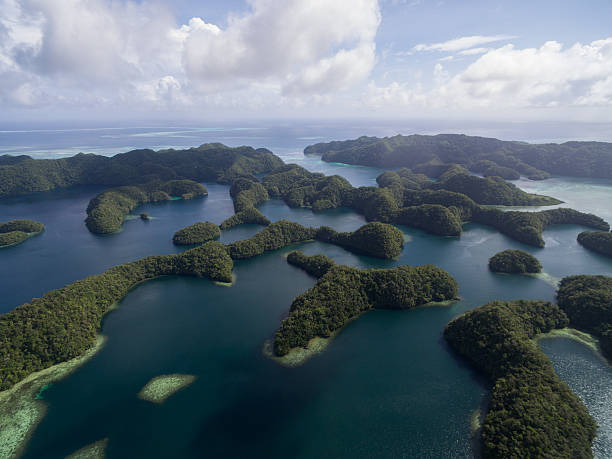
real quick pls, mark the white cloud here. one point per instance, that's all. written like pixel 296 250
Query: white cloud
pixel 118 51
pixel 458 44
pixel 509 78
pixel 297 43
pixel 473 51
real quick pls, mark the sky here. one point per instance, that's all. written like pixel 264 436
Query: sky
pixel 318 59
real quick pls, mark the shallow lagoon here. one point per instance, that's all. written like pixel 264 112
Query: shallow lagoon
pixel 387 385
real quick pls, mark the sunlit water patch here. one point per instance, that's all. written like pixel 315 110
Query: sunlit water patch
pixel 590 377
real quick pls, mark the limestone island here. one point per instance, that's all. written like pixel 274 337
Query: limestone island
pixel 514 262
pixel 198 233
pixel 160 388
pixel 16 231
pixel 531 412
pixel 597 241
pixel 107 211
pixel 343 293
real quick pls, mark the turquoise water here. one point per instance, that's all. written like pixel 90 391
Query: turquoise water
pixel 386 386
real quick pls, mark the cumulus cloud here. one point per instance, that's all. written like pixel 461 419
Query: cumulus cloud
pixel 507 77
pixel 123 51
pixel 458 44
pixel 299 43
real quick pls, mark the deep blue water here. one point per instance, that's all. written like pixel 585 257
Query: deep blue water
pixel 386 386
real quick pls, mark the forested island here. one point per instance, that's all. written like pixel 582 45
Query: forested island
pixel 342 293
pixel 198 233
pixel 531 412
pixel 406 197
pixel 16 231
pixel 403 198
pixel 426 152
pixel 587 301
pixel 212 162
pixel 597 241
pixel 514 262
pixel 106 212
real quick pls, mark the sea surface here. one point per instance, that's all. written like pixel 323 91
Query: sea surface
pixel 387 386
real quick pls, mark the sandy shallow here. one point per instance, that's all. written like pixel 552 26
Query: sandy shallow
pixel 96 450
pixel 298 355
pixel 161 387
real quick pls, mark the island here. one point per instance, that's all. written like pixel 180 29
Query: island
pixel 597 241
pixel 587 301
pixel 375 239
pixel 404 197
pixel 379 240
pixel 145 216
pixel 198 233
pixel 531 412
pixel 17 231
pixel 161 387
pixel 315 265
pixel 343 293
pixel 514 262
pixel 106 212
pixel 213 162
pixel 535 161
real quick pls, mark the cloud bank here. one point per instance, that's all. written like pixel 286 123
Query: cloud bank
pixel 549 76
pixel 277 58
pixel 99 51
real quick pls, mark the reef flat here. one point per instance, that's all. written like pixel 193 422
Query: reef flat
pixel 22 407
pixel 161 387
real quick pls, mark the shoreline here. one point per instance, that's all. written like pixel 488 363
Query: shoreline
pixel 297 356
pixel 30 235
pixel 22 407
pixel 575 335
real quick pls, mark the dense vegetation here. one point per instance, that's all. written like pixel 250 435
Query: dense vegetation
pixel 490 190
pixel 315 265
pixel 278 235
pixel 301 188
pixel 343 293
pixel 536 161
pixel 375 239
pixel 597 241
pixel 17 231
pixel 587 301
pixel 527 227
pixel 514 262
pixel 246 194
pixel 490 168
pixel 12 238
pixel 106 212
pixel 63 323
pixel 407 198
pixel 197 233
pixel 209 162
pixel 532 413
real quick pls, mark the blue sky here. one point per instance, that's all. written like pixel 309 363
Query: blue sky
pixel 259 59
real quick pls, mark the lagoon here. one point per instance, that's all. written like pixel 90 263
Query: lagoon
pixel 387 385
